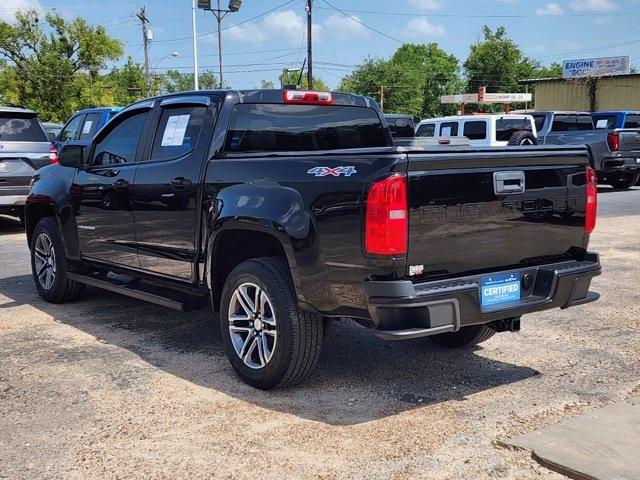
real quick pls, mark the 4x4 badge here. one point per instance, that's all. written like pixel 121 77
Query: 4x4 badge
pixel 333 172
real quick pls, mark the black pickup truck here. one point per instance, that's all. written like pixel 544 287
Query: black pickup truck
pixel 289 209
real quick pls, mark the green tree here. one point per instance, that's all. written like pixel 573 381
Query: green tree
pixel 552 71
pixel 291 77
pixel 267 84
pixel 175 81
pixel 411 81
pixel 127 83
pixel 56 62
pixel 497 63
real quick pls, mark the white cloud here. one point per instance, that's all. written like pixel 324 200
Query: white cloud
pixel 9 9
pixel 592 5
pixel 552 9
pixel 286 26
pixel 345 27
pixel 426 5
pixel 602 21
pixel 420 27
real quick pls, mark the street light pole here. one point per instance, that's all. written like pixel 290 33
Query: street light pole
pixel 219 17
pixel 195 45
pixel 234 6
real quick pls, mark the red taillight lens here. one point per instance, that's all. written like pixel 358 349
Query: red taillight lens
pixel 53 155
pixel 387 217
pixel 614 142
pixel 307 97
pixel 592 201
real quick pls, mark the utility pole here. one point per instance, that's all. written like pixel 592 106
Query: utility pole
pixel 309 46
pixel 195 45
pixel 219 16
pixel 382 97
pixel 146 39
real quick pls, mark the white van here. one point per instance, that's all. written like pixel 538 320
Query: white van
pixel 482 130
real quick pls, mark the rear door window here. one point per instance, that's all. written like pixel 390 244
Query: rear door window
pixel 506 127
pixel 449 129
pixel 572 123
pixel 475 130
pixel 426 130
pixel 177 132
pixel 89 126
pixel 605 121
pixel 294 128
pixel 21 127
pixel 632 121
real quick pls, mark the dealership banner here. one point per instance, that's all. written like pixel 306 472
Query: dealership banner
pixel 595 67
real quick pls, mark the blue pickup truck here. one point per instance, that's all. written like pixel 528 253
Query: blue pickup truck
pixel 83 125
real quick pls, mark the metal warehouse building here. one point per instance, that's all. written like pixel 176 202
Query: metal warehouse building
pixel 618 92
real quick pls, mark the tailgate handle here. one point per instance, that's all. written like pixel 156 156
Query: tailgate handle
pixel 508 183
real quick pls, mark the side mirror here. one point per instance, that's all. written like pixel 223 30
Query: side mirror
pixel 51 136
pixel 71 156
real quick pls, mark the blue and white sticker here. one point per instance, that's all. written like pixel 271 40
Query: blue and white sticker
pixel 347 171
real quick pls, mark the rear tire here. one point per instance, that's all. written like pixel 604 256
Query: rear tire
pixel 523 138
pixel 622 181
pixel 49 264
pixel 465 337
pixel 276 344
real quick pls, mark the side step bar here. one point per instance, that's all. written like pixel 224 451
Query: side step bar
pixel 165 297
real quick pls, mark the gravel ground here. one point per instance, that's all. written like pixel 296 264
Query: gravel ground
pixel 110 387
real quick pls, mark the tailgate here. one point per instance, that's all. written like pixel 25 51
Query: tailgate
pixel 20 160
pixel 460 225
pixel 629 140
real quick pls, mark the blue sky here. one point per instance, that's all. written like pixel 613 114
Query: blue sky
pixel 259 48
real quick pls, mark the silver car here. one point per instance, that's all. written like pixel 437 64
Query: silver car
pixel 24 148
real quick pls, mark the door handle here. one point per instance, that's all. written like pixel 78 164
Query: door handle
pixel 180 183
pixel 121 184
pixel 508 183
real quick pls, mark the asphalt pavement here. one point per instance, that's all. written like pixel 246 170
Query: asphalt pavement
pixel 111 387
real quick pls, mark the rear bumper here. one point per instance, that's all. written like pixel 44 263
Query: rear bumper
pixel 629 161
pixel 12 200
pixel 402 309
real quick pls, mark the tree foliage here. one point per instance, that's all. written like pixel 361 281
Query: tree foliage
pixel 291 77
pixel 175 81
pixel 412 80
pixel 55 63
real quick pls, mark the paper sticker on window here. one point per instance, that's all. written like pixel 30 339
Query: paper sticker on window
pixel 173 135
pixel 602 123
pixel 445 132
pixel 87 126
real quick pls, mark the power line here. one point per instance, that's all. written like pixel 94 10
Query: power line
pixel 363 24
pixel 178 39
pixel 459 15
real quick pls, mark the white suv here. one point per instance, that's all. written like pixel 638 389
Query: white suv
pixel 482 130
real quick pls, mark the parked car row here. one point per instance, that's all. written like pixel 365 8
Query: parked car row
pixel 26 145
pixel 612 138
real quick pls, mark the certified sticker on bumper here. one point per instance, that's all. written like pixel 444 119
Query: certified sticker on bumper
pixel 499 289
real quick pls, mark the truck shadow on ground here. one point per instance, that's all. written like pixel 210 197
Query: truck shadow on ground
pixel 358 379
pixel 10 225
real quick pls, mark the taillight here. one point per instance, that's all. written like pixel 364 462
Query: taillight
pixel 613 139
pixel 53 155
pixel 307 97
pixel 592 201
pixel 387 217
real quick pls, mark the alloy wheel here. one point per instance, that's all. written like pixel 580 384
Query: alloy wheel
pixel 45 261
pixel 252 325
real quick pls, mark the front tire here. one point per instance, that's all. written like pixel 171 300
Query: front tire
pixel 49 264
pixel 465 337
pixel 269 341
pixel 623 181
